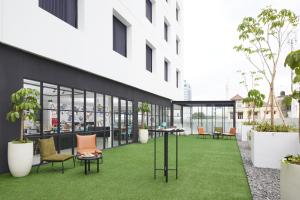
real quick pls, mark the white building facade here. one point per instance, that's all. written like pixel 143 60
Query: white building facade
pixel 93 62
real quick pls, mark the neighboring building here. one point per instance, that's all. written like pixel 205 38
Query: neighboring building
pixel 244 112
pixel 187 91
pixel 93 63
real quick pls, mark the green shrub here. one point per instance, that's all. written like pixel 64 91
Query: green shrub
pixel 266 127
pixel 253 123
pixel 292 159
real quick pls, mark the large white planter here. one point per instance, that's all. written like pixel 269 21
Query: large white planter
pixel 20 156
pixel 268 148
pixel 143 136
pixel 243 134
pixel 289 182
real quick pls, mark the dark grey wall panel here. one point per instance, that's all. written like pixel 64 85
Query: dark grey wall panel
pixel 16 65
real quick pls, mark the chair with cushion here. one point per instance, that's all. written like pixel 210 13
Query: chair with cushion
pixel 48 153
pixel 217 132
pixel 232 133
pixel 86 144
pixel 202 133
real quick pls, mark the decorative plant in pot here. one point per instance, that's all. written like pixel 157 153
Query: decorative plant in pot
pixel 290 167
pixel 143 131
pixel 24 106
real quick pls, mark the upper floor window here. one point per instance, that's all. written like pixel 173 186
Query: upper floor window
pixel 148 58
pixel 177 13
pixel 177 46
pixel 65 10
pixel 166 73
pixel 149 10
pixel 177 78
pixel 166 27
pixel 119 37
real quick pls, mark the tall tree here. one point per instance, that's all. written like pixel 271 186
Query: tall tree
pixel 262 40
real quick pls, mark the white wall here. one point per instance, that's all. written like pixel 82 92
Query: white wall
pixel 26 26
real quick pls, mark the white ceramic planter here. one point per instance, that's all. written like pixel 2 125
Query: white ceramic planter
pixel 268 148
pixel 289 182
pixel 20 156
pixel 143 136
pixel 243 134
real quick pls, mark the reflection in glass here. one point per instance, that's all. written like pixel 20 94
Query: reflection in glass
pixel 116 128
pixel 130 118
pixel 123 122
pixel 50 112
pixel 78 110
pixel 108 122
pixel 65 109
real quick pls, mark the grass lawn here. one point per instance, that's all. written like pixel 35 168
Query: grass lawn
pixel 208 169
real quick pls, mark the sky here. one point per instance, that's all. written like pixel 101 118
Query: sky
pixel 210 33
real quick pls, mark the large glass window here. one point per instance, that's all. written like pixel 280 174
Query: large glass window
pixel 166 27
pixel 90 111
pixel 66 114
pixel 31 127
pixel 130 119
pixel 119 37
pixel 50 109
pixel 148 58
pixel 100 129
pixel 108 121
pixel 78 110
pixel 116 124
pixel 123 116
pixel 166 71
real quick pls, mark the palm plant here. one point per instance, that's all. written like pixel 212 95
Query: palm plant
pixel 144 108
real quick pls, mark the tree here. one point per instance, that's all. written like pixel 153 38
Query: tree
pixel 249 80
pixel 262 40
pixel 255 99
pixel 198 115
pixel 24 106
pixel 144 108
pixel 293 61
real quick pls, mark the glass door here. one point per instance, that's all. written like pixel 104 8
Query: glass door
pixel 123 119
pixel 116 124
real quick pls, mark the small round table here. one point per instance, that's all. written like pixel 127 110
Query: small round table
pixel 87 162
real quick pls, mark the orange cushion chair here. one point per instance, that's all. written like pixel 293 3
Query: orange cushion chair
pixel 87 144
pixel 201 132
pixel 232 133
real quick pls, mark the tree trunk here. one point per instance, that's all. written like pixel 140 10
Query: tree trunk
pixel 266 108
pixel 272 103
pixel 280 111
pixel 299 119
pixel 22 128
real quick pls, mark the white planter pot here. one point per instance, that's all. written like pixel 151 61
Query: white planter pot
pixel 268 148
pixel 143 136
pixel 243 134
pixel 20 156
pixel 289 182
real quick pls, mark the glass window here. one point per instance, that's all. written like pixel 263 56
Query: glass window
pixel 50 111
pixel 108 122
pixel 78 110
pixel 166 31
pixel 31 127
pixel 130 119
pixel 116 128
pixel 90 111
pixel 148 58
pixel 166 71
pixel 149 10
pixel 119 37
pixel 65 109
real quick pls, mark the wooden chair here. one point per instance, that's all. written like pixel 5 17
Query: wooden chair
pixel 202 133
pixel 49 154
pixel 232 133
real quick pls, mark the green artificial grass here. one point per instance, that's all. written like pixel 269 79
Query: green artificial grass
pixel 208 169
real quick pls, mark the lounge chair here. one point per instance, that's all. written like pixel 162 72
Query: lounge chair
pixel 201 132
pixel 49 154
pixel 86 144
pixel 232 133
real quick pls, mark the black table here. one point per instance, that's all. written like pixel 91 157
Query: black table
pixel 166 133
pixel 87 162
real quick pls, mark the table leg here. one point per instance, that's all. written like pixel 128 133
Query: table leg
pixel 176 155
pixel 98 165
pixel 154 154
pixel 166 156
pixel 89 165
pixel 85 163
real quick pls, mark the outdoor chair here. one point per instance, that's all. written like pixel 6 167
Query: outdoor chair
pixel 232 133
pixel 202 133
pixel 48 154
pixel 86 144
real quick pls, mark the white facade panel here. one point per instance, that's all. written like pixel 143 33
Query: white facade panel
pixel 23 24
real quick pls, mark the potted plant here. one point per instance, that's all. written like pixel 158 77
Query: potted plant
pixel 290 167
pixel 143 131
pixel 24 106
